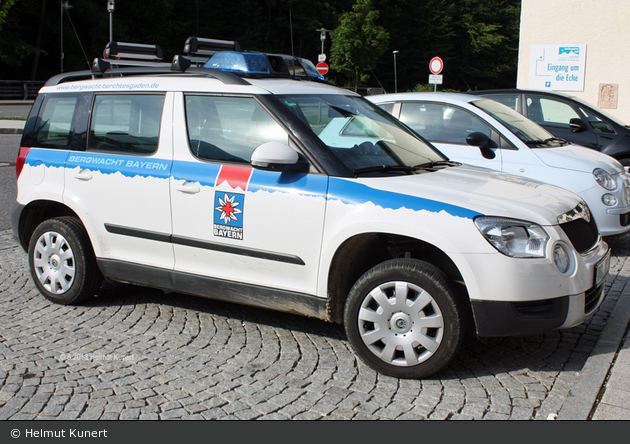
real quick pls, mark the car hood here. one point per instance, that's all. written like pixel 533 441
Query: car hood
pixel 578 158
pixel 471 190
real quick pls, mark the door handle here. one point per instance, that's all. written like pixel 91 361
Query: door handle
pixel 188 188
pixel 83 175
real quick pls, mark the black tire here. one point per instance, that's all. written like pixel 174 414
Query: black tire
pixel 62 261
pixel 422 322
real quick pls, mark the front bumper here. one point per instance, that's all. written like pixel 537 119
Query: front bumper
pixel 501 318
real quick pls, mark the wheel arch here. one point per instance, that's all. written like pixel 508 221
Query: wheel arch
pixel 358 254
pixel 35 213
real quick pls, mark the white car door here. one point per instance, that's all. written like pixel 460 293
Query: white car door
pixel 233 222
pixel 120 184
pixel 447 126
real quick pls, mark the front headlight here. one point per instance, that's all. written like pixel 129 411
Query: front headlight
pixel 604 178
pixel 513 237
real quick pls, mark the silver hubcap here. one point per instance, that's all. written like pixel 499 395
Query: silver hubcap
pixel 54 262
pixel 401 323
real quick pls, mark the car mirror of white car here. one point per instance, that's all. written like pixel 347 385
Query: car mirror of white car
pixel 278 156
pixel 482 141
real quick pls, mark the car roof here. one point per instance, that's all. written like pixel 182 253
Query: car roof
pixel 521 91
pixel 435 96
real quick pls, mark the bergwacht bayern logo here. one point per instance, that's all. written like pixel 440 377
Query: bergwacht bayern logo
pixel 228 215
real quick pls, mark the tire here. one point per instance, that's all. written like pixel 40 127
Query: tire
pixel 62 261
pixel 403 320
pixel 626 164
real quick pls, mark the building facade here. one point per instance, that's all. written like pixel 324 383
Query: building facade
pixel 581 47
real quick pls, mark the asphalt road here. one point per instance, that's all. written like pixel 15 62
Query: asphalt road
pixel 9 145
pixel 14 110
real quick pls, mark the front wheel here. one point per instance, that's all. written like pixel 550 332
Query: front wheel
pixel 403 320
pixel 62 262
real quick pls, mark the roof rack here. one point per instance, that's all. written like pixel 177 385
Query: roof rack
pixel 102 68
pixel 132 54
pixel 198 50
pixel 219 59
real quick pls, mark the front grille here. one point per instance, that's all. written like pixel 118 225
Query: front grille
pixel 582 234
pixel 592 298
pixel 624 220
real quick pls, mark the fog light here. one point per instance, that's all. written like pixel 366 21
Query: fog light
pixel 561 259
pixel 609 199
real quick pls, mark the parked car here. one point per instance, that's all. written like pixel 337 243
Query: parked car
pixel 511 143
pixel 570 118
pixel 231 185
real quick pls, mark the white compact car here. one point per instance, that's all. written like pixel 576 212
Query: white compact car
pixel 228 184
pixel 479 131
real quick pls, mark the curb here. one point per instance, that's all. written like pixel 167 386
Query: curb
pixel 583 397
pixel 11 130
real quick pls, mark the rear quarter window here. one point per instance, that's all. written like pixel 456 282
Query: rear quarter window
pixel 53 128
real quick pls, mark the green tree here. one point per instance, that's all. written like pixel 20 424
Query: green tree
pixel 358 42
pixel 5 5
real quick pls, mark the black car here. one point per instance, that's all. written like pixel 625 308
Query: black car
pixel 569 118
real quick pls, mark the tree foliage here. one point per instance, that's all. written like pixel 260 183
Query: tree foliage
pixel 358 42
pixel 477 39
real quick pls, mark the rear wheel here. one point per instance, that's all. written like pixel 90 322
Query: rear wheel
pixel 403 320
pixel 62 262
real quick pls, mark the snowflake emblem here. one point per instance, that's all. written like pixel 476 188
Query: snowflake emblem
pixel 227 207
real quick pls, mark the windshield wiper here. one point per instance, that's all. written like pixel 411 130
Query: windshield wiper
pixel 556 139
pixel 432 164
pixel 385 168
pixel 535 143
pixel 405 168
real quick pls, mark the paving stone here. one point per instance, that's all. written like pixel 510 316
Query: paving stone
pixel 200 359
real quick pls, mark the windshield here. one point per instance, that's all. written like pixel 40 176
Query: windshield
pixel 601 111
pixel 527 130
pixel 362 136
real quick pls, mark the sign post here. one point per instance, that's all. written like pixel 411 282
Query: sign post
pixel 435 66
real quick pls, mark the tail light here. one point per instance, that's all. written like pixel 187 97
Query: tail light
pixel 19 163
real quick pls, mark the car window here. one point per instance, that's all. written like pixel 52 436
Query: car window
pixel 55 122
pixel 598 124
pixel 126 123
pixel 525 129
pixel 511 100
pixel 360 134
pixel 549 111
pixel 439 122
pixel 229 129
pixel 389 107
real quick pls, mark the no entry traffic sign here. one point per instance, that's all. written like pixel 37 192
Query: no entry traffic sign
pixel 322 68
pixel 436 65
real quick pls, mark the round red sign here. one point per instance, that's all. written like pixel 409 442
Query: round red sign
pixel 436 65
pixel 322 68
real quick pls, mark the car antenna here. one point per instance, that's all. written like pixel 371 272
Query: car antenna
pixel 291 32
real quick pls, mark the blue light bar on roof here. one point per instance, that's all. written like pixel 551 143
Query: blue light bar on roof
pixel 253 63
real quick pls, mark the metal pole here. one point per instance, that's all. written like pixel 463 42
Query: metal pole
pixel 395 73
pixel 110 8
pixel 61 9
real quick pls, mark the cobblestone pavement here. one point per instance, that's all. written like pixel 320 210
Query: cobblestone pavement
pixel 137 353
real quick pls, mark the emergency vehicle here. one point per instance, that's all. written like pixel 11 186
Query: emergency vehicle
pixel 226 181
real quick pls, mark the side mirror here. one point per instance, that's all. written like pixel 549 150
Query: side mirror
pixel 483 142
pixel 577 126
pixel 278 156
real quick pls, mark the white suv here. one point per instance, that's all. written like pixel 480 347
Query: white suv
pixel 233 187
